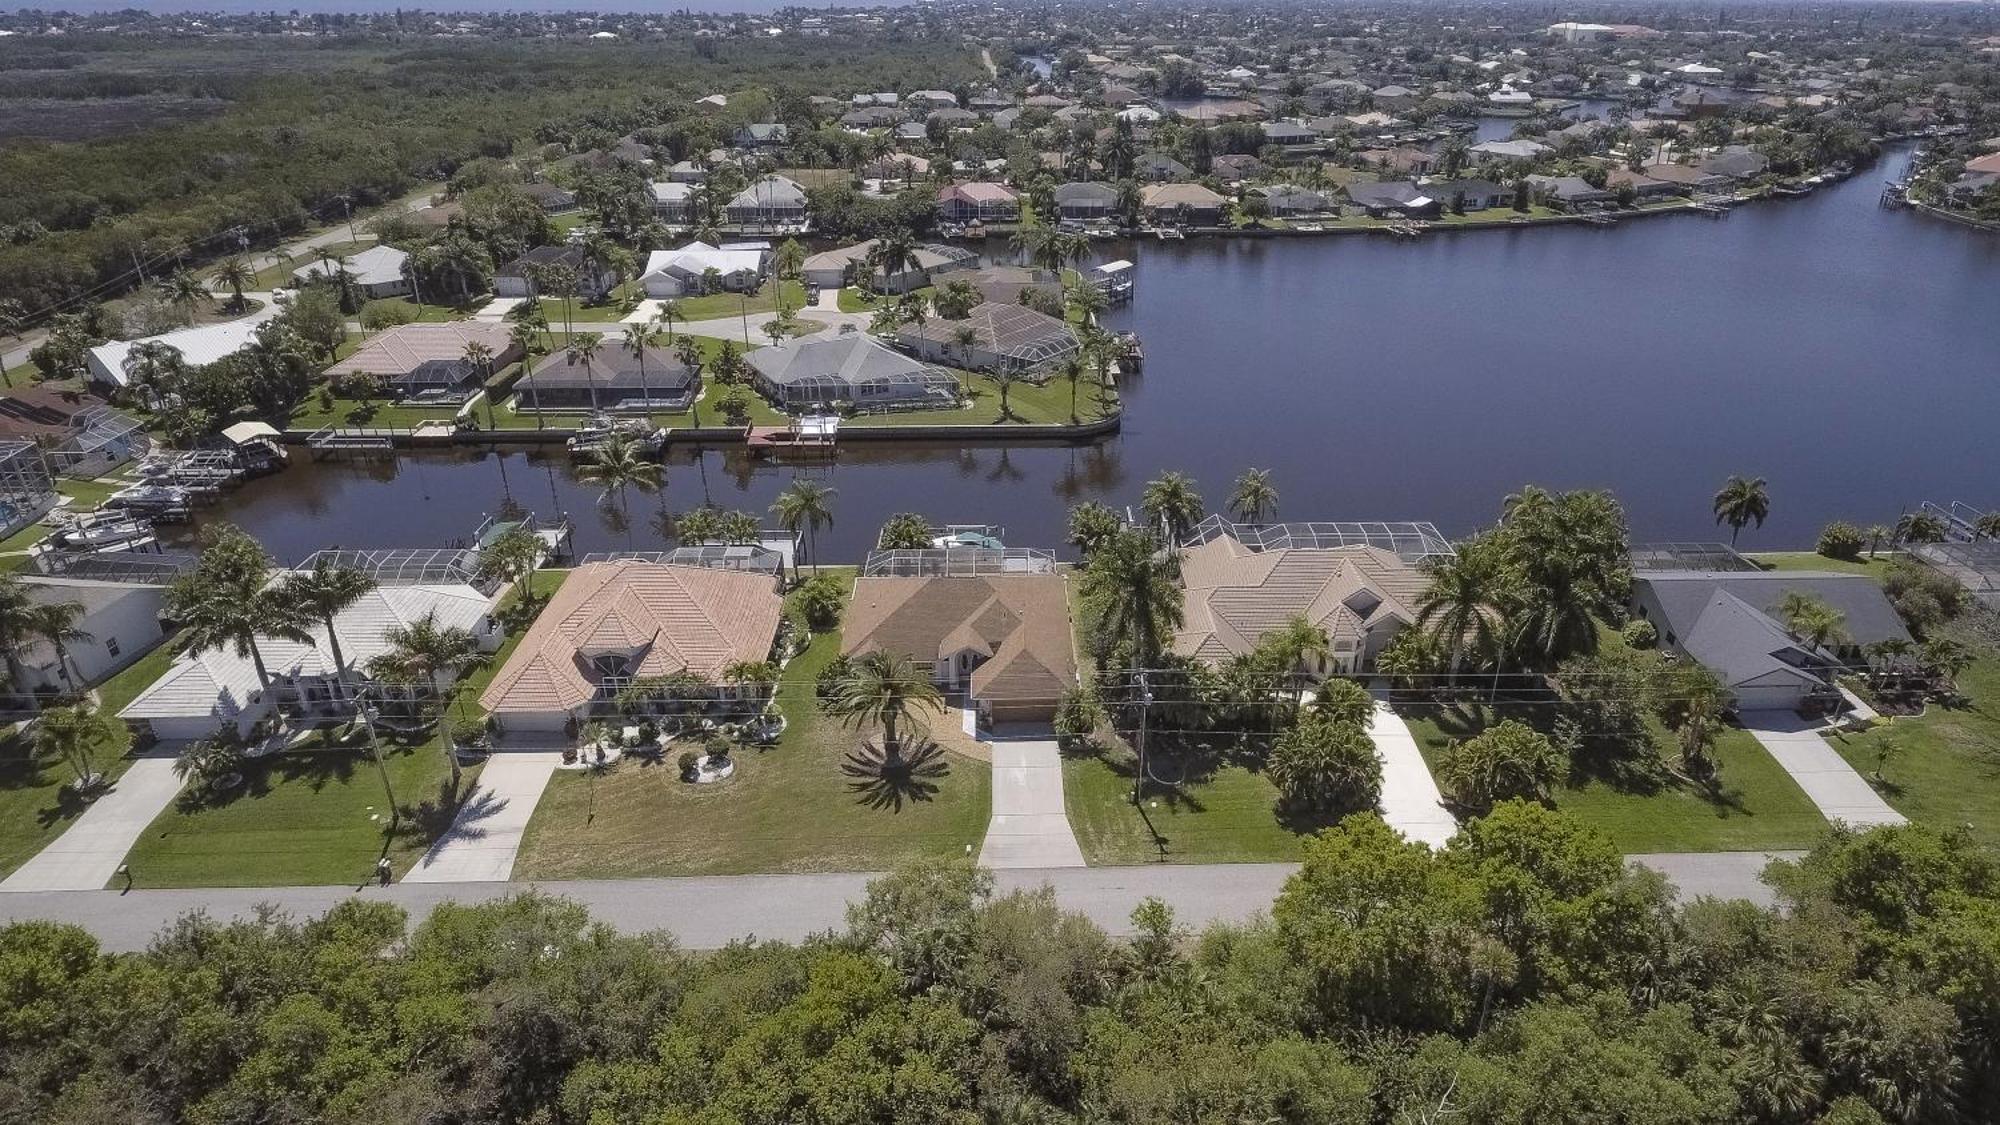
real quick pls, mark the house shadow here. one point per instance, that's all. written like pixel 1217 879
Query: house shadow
pixel 879 783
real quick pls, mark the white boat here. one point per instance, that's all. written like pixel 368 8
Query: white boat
pixel 159 501
pixel 104 531
pixel 593 434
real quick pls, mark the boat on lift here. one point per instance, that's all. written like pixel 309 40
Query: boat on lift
pixel 152 499
pixel 593 435
pixel 103 531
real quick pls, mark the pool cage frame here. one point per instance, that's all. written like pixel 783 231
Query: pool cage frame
pixel 1412 541
pixel 27 485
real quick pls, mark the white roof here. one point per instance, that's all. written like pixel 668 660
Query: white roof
pixel 377 265
pixel 240 432
pixel 198 346
pixel 697 258
pixel 218 683
pixel 672 191
pixel 1119 266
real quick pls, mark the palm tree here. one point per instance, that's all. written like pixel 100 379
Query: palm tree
pixel 638 339
pixel 1741 500
pixel 1134 589
pixel 893 255
pixel 1300 649
pixel 1459 604
pixel 1815 623
pixel 618 466
pixel 479 357
pixel 527 337
pixel 1172 504
pixel 185 292
pixel 56 624
pixel 225 602
pixel 322 594
pixel 1987 526
pixel 237 274
pixel 74 734
pixel 1878 535
pixel 670 311
pixel 1255 496
pixel 881 689
pixel 426 650
pixel 1084 302
pixel 585 351
pixel 17 624
pixel 511 557
pixel 1920 527
pixel 1072 369
pixel 807 504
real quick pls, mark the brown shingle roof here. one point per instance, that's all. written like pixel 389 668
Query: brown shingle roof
pixel 670 618
pixel 1235 596
pixel 1020 622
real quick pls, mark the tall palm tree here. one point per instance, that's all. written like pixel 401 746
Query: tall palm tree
pixel 1255 496
pixel 1920 527
pixel 1815 623
pixel 55 623
pixel 807 504
pixel 618 466
pixel 74 734
pixel 1083 301
pixel 1072 369
pixel 322 594
pixel 1172 504
pixel 237 274
pixel 17 624
pixel 479 358
pixel 185 292
pixel 1460 603
pixel 638 340
pixel 1134 589
pixel 881 689
pixel 670 311
pixel 226 601
pixel 528 338
pixel 1741 500
pixel 428 651
pixel 583 352
pixel 893 255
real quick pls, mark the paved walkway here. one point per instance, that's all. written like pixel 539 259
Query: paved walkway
pixel 1029 828
pixel 88 853
pixel 497 309
pixel 1836 787
pixel 483 841
pixel 704 913
pixel 1411 802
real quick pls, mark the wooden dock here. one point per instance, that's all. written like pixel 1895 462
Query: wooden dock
pixel 332 441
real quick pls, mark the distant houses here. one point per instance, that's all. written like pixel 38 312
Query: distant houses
pixel 379 271
pixel 525 275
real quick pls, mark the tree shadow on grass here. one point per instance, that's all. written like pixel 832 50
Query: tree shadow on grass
pixel 880 783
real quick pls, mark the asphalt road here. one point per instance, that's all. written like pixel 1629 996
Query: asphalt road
pixel 711 911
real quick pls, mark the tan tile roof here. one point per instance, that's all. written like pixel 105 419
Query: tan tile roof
pixel 1020 622
pixel 406 347
pixel 674 618
pixel 1235 596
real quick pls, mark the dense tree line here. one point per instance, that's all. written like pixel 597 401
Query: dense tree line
pixel 1522 974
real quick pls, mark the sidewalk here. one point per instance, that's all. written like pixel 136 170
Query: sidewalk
pixel 87 855
pixel 1840 792
pixel 486 836
pixel 1411 803
pixel 1029 827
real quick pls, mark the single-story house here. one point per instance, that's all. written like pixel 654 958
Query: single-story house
pixel 1287 133
pixel 932 99
pixel 1361 595
pixel 872 117
pixel 994 337
pixel 771 200
pixel 1407 160
pixel 979 201
pixel 611 623
pixel 1158 167
pixel 1731 622
pixel 1005 284
pixel 1479 195
pixel 1290 199
pixel 1569 191
pixel 814 371
pixel 418 359
pixel 518 277
pixel 107 365
pixel 1642 185
pixel 1086 200
pixel 1736 163
pixel 1003 640
pixel 688 172
pixel 613 379
pixel 552 198
pixel 1686 176
pixel 761 135
pixel 379 271
pixel 951 117
pixel 896 166
pixel 121 620
pixel 738 266
pixel 1235 166
pixel 672 199
pixel 1398 196
pixel 1522 149
pixel 204 691
pixel 1183 204
pixel 849 265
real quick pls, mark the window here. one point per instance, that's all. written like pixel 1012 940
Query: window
pixel 111 646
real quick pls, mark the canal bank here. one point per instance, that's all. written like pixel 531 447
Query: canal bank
pixel 1842 351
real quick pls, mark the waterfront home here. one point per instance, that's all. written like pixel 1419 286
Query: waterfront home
pixel 120 623
pixel 1158 167
pixel 672 201
pixel 1474 195
pixel 1731 622
pixel 1395 98
pixel 1370 122
pixel 429 360
pixel 739 267
pixel 108 365
pixel 613 379
pixel 1522 149
pixel 1737 163
pixel 978 202
pixel 1086 200
pixel 1358 582
pixel 1288 133
pixel 1002 641
pixel 522 277
pixel 214 688
pixel 74 433
pixel 1405 159
pixel 850 265
pixel 817 372
pixel 994 337
pixel 613 623
pixel 769 201
pixel 1005 284
pixel 1642 185
pixel 1568 192
pixel 1182 205
pixel 1281 200
pixel 761 135
pixel 552 198
pixel 1234 167
pixel 1392 197
pixel 379 271
pixel 1685 177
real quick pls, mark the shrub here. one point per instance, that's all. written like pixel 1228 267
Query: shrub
pixel 1501 763
pixel 819 601
pixel 387 313
pixel 827 684
pixel 1078 716
pixel 1344 701
pixel 1639 633
pixel 1841 540
pixel 735 407
pixel 905 531
pixel 1924 598
pixel 468 732
pixel 1325 766
pixel 690 764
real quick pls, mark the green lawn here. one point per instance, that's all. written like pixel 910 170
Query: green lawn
pixel 88 493
pixel 1810 560
pixel 34 809
pixel 788 808
pixel 1228 817
pixel 25 538
pixel 715 305
pixel 347 412
pixel 418 312
pixel 1760 806
pixel 317 816
pixel 1947 769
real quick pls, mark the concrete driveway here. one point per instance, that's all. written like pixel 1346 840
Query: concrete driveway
pixel 1411 803
pixel 87 855
pixel 1840 792
pixel 486 836
pixel 1029 827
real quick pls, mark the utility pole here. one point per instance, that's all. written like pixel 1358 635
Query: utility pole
pixel 348 203
pixel 1145 709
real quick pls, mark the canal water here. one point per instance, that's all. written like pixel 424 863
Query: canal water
pixel 1850 355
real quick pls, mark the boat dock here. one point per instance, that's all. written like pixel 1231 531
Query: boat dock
pixel 332 441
